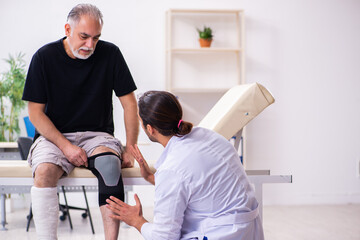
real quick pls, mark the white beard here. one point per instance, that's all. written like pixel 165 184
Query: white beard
pixel 77 54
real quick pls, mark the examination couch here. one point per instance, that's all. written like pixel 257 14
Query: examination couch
pixel 228 117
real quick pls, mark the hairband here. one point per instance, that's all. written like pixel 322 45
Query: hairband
pixel 179 123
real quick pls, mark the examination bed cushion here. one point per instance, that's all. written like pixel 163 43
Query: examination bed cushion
pixel 237 108
pixel 19 168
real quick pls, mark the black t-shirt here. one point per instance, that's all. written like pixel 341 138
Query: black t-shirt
pixel 78 93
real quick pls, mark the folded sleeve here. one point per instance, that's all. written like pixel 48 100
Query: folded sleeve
pixel 123 80
pixel 146 230
pixel 35 84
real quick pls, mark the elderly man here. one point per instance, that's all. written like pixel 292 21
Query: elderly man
pixel 69 90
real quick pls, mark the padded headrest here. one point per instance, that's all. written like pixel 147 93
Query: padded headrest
pixel 236 108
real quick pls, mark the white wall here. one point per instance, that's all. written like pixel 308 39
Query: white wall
pixel 306 52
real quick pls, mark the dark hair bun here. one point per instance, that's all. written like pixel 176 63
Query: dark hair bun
pixel 161 110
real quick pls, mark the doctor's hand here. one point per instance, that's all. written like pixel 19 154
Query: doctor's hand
pixel 145 170
pixel 131 215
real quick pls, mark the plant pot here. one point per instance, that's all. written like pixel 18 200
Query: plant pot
pixel 205 42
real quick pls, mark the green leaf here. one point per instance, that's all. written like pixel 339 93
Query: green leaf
pixel 206 33
pixel 12 84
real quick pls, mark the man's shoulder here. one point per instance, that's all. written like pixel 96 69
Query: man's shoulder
pixel 107 45
pixel 107 50
pixel 49 48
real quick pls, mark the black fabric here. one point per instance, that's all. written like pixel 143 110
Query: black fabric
pixel 78 93
pixel 105 191
pixel 24 144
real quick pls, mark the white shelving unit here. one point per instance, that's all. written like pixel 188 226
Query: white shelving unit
pixel 194 73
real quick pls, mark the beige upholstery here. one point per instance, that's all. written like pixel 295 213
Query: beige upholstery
pixel 237 108
pixel 19 168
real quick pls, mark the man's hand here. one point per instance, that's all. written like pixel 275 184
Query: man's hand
pixel 47 129
pixel 128 159
pixel 75 155
pixel 146 173
pixel 131 215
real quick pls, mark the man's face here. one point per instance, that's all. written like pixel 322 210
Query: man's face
pixel 82 38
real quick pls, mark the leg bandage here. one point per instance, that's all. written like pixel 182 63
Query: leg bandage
pixel 107 168
pixel 45 208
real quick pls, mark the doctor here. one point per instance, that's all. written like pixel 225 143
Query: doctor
pixel 201 189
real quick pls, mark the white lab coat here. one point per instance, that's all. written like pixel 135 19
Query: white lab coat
pixel 201 190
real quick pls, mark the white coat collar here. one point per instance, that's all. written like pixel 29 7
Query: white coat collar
pixel 166 151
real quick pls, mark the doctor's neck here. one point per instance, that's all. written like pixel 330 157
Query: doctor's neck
pixel 155 136
pixel 164 140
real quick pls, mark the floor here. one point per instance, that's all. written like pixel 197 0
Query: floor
pixel 330 222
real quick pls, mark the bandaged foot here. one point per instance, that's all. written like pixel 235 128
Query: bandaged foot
pixel 45 208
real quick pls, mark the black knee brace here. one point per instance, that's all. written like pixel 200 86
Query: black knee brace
pixel 107 168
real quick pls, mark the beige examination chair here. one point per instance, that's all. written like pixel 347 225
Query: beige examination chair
pixel 236 108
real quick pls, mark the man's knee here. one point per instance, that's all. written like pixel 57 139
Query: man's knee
pixel 47 175
pixel 102 149
pixel 107 168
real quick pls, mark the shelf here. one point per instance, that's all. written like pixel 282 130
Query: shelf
pixel 187 61
pixel 212 11
pixel 196 73
pixel 189 50
pixel 200 76
pixel 199 90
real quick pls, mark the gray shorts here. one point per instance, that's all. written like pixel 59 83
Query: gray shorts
pixel 44 151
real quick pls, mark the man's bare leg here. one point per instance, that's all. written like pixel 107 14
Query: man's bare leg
pixel 47 175
pixel 111 226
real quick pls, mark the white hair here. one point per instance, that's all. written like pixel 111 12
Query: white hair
pixel 79 10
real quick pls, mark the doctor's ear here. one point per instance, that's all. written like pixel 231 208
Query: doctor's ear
pixel 149 128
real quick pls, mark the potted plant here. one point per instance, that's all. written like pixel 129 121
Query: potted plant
pixel 205 36
pixel 11 88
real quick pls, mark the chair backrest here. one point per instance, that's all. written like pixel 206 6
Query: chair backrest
pixel 30 129
pixel 236 108
pixel 24 144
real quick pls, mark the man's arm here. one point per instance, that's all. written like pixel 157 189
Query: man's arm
pixel 131 121
pixel 47 129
